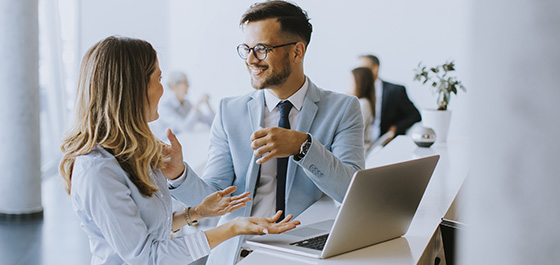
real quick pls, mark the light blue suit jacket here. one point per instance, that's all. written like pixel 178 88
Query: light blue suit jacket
pixel 334 121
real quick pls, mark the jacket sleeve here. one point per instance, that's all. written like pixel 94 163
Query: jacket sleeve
pixel 332 170
pixel 103 198
pixel 410 113
pixel 218 172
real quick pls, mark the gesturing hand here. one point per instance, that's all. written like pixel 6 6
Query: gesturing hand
pixel 276 142
pixel 261 225
pixel 174 167
pixel 219 203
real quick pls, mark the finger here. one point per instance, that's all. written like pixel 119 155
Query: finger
pixel 287 218
pixel 264 150
pixel 241 196
pixel 266 158
pixel 278 228
pixel 172 138
pixel 235 207
pixel 258 143
pixel 227 191
pixel 275 216
pixel 261 132
pixel 244 200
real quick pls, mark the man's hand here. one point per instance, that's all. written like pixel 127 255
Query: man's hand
pixel 276 142
pixel 174 167
pixel 219 203
pixel 393 130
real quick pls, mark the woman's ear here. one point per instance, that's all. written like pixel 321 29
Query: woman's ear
pixel 299 51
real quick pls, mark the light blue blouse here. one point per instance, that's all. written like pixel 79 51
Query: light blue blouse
pixel 123 226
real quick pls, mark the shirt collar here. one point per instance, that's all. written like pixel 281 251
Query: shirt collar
pixel 296 99
pixel 378 85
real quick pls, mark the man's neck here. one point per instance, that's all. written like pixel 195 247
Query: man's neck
pixel 290 87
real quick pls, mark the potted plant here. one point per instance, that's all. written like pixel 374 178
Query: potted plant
pixel 443 85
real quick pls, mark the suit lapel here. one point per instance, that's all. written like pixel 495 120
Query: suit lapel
pixel 306 118
pixel 255 107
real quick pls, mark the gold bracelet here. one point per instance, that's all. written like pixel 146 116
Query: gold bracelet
pixel 188 218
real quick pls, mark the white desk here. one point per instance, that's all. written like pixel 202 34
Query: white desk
pixel 448 177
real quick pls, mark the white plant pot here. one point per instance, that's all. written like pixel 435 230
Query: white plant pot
pixel 438 120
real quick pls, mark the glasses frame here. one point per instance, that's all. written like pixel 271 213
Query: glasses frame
pixel 266 50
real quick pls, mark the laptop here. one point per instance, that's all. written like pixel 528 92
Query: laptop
pixel 378 206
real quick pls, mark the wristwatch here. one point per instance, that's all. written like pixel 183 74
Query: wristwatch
pixel 303 149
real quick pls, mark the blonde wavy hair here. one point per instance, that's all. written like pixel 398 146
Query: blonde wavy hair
pixel 111 110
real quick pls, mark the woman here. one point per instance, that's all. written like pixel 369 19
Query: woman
pixel 363 88
pixel 115 169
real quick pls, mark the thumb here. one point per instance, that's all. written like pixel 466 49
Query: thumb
pixel 172 138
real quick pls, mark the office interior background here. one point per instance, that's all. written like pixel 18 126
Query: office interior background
pixel 505 53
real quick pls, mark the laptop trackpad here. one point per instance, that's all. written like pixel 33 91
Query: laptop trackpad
pixel 305 232
pixel 319 228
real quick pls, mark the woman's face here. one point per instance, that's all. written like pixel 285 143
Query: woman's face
pixel 351 84
pixel 155 91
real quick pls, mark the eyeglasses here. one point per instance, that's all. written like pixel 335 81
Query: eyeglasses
pixel 260 51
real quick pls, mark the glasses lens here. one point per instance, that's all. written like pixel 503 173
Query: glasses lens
pixel 243 51
pixel 260 51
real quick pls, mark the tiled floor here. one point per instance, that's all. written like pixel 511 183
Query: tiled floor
pixel 55 240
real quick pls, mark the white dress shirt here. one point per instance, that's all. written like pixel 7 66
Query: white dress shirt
pixel 264 203
pixel 368 121
pixel 124 226
pixel 376 127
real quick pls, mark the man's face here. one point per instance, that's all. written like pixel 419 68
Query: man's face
pixel 275 69
pixel 180 88
pixel 366 62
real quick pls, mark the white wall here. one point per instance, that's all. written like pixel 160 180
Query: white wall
pixel 144 19
pixel 200 37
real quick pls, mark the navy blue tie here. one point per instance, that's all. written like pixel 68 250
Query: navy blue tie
pixel 282 163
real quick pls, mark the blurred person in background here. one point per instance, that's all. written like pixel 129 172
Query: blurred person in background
pixel 362 87
pixel 394 112
pixel 177 112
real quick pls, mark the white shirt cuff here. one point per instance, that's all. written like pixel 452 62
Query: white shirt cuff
pixel 197 244
pixel 172 184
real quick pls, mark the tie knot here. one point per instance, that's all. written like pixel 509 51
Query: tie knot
pixel 285 107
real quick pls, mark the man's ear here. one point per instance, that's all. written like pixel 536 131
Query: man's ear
pixel 299 52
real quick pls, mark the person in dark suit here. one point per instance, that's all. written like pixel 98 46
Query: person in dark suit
pixel 397 112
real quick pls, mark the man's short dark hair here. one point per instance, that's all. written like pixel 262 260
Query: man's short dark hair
pixel 293 20
pixel 372 58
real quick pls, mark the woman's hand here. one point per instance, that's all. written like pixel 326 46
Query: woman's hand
pixel 219 203
pixel 249 226
pixel 262 226
pixel 174 167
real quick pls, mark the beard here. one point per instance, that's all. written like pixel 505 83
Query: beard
pixel 275 78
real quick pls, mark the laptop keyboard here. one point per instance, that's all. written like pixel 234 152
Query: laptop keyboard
pixel 317 243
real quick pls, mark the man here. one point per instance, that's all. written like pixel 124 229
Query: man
pixel 396 112
pixel 175 110
pixel 287 135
